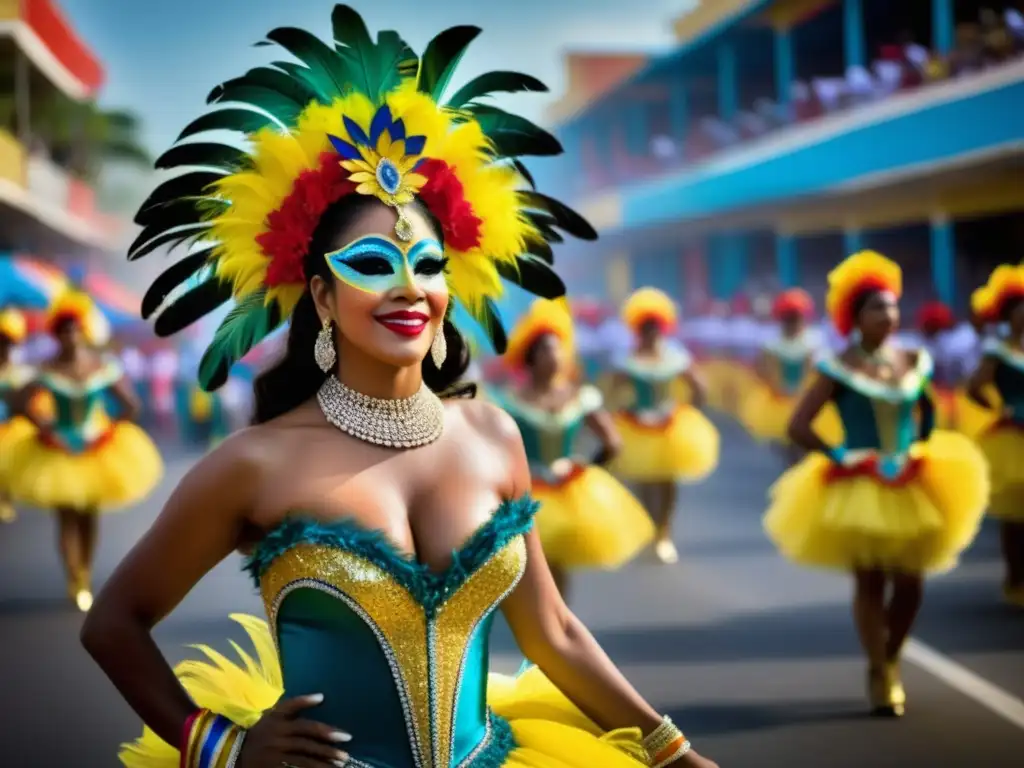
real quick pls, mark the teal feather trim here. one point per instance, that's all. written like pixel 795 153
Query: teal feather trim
pixel 500 746
pixel 430 589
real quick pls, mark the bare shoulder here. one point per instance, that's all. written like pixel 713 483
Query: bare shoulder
pixel 486 419
pixel 244 455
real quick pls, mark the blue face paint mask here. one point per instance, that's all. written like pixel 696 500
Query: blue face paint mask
pixel 376 264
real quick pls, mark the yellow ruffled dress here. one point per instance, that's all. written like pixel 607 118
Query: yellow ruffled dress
pixel 1003 441
pixel 400 653
pixel 84 460
pixel 13 429
pixel 587 518
pixel 768 406
pixel 663 440
pixel 896 503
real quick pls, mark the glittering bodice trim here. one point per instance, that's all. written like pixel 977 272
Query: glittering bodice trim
pixel 423 620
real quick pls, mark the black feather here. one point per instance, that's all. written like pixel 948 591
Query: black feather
pixel 180 212
pixel 524 173
pixel 496 82
pixel 190 184
pixel 490 320
pixel 441 57
pixel 545 224
pixel 171 278
pixel 151 238
pixel 565 217
pixel 541 248
pixel 204 155
pixel 189 307
pixel 533 275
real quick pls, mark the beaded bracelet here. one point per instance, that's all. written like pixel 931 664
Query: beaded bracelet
pixel 665 744
pixel 211 741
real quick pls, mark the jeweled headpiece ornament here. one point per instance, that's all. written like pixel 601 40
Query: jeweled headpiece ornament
pixel 856 274
pixel 359 117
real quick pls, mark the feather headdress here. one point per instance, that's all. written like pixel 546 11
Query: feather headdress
pixel 794 301
pixel 863 271
pixel 544 317
pixel 649 305
pixel 77 306
pixel 1005 284
pixel 13 325
pixel 361 116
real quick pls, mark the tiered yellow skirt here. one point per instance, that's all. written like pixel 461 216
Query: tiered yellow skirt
pixel 683 448
pixel 825 516
pixel 590 520
pixel 766 415
pixel 118 471
pixel 549 731
pixel 728 382
pixel 1003 446
pixel 11 433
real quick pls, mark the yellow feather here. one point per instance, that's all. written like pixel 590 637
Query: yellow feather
pixel 543 316
pixel 13 325
pixel 647 303
pixel 853 271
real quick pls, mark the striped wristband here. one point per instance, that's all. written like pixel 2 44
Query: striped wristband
pixel 211 741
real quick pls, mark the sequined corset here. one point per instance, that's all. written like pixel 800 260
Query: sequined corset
pixel 550 436
pixel 1009 376
pixel 652 380
pixel 878 417
pixel 399 651
pixel 80 414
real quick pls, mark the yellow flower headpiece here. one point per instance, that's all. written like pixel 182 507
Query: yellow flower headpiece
pixel 13 325
pixel 76 306
pixel 360 117
pixel 649 305
pixel 544 317
pixel 1005 284
pixel 863 271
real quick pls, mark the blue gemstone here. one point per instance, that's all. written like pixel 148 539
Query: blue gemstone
pixel 388 176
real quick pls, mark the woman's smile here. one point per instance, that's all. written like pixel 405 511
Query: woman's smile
pixel 404 322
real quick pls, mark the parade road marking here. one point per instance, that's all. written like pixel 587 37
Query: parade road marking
pixel 959 677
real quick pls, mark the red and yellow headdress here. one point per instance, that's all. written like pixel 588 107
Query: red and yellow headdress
pixel 795 301
pixel 857 274
pixel 76 306
pixel 544 317
pixel 649 305
pixel 1005 284
pixel 935 317
pixel 361 116
pixel 13 325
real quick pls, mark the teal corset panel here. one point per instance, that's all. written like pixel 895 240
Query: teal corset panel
pixel 651 379
pixel 1009 376
pixel 876 416
pixel 12 378
pixel 80 407
pixel 399 652
pixel 791 375
pixel 5 409
pixel 789 358
pixel 549 436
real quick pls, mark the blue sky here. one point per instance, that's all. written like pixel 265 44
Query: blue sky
pixel 162 58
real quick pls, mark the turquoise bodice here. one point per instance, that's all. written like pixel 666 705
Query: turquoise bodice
pixel 12 378
pixel 1009 375
pixel 788 361
pixel 878 417
pixel 651 379
pixel 550 436
pixel 80 416
pixel 400 652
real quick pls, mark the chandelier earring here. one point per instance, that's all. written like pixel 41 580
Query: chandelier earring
pixel 323 350
pixel 439 348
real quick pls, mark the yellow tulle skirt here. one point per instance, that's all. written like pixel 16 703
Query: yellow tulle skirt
pixel 728 383
pixel 683 448
pixel 119 471
pixel 590 520
pixel 830 517
pixel 549 731
pixel 11 433
pixel 766 415
pixel 1003 446
pixel 970 418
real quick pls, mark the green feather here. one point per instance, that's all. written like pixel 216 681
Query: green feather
pixel 442 57
pixel 518 164
pixel 512 135
pixel 323 61
pixel 233 119
pixel 495 82
pixel 171 278
pixel 377 68
pixel 322 87
pixel 246 325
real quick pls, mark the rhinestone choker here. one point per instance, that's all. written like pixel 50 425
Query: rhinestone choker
pixel 402 423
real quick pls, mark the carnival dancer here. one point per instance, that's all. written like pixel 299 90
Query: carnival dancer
pixel 784 369
pixel 897 500
pixel 81 462
pixel 1001 300
pixel 934 319
pixel 586 519
pixel 664 441
pixel 13 376
pixel 384 524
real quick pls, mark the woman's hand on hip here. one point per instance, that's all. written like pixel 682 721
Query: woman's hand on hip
pixel 280 738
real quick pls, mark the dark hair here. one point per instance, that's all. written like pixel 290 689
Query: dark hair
pixel 296 377
pixel 530 355
pixel 1009 307
pixel 860 301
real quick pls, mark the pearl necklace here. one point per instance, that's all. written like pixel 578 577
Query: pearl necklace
pixel 400 423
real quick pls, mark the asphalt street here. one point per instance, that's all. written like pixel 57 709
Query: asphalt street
pixel 755 658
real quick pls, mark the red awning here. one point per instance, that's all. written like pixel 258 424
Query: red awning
pixel 54 31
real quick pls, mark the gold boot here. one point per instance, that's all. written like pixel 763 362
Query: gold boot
pixel 7 512
pixel 880 693
pixel 897 694
pixel 80 592
pixel 666 552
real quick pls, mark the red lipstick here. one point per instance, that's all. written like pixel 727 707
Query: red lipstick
pixel 404 322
